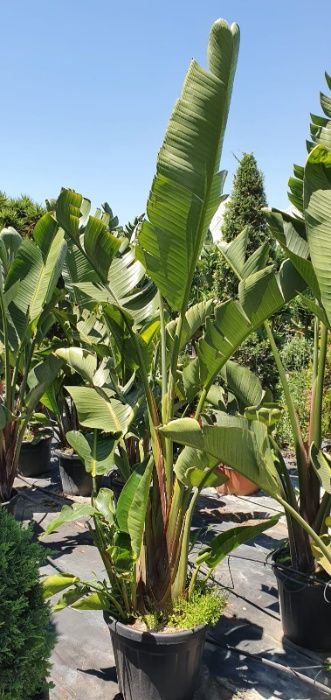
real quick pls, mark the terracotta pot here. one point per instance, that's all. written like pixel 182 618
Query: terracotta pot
pixel 237 484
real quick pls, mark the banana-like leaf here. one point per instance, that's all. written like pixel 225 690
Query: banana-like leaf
pixel 235 252
pixel 70 597
pixel 239 444
pixel 187 188
pixel 243 383
pixel 40 377
pixel 105 504
pixel 194 320
pixel 317 203
pixel 100 246
pixel 80 360
pixel 34 280
pixel 56 583
pixel 224 543
pixel 122 277
pixel 126 497
pixel 290 232
pixel 98 456
pixel 97 408
pixel 191 458
pixel 256 261
pixel 93 601
pixel 322 467
pixel 261 295
pixel 137 512
pixel 10 240
pixel 44 233
pixel 69 514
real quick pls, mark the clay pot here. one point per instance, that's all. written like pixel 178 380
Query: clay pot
pixel 237 484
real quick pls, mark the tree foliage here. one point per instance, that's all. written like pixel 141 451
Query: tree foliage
pixel 26 638
pixel 22 213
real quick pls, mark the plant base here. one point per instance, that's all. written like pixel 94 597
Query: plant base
pixel 156 665
pixel 305 607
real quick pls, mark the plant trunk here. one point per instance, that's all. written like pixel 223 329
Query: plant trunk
pixel 8 460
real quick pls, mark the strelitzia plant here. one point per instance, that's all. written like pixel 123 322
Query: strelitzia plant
pixel 29 273
pixel 144 538
pixel 247 445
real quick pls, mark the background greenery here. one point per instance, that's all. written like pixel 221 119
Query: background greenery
pixel 26 638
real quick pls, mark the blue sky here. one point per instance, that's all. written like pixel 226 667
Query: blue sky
pixel 88 85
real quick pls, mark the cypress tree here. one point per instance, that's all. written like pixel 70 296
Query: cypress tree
pixel 243 209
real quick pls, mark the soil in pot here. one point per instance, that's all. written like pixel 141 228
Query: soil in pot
pixel 76 481
pixel 237 484
pixel 156 665
pixel 35 457
pixel 305 607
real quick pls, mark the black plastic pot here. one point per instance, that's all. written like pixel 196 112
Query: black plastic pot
pixel 75 480
pixel 35 457
pixel 156 666
pixel 305 606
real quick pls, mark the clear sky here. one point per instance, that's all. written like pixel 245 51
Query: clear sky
pixel 87 87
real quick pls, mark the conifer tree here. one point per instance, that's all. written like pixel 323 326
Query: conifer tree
pixel 243 209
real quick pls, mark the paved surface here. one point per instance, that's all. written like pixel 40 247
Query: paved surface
pixel 248 660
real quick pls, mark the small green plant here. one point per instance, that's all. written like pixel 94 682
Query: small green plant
pixel 204 608
pixel 26 638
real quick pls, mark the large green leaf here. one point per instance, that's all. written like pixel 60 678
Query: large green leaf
pixel 10 240
pixel 191 458
pixel 243 383
pixel 261 295
pixel 240 444
pixel 97 408
pixel 194 320
pixel 317 203
pixel 126 497
pixel 187 188
pixel 34 279
pixel 97 455
pixel 56 583
pixel 290 232
pixel 80 360
pixel 138 508
pixel 224 543
pixel 100 246
pixel 69 514
pixel 40 377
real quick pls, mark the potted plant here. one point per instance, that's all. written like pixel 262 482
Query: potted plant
pixel 303 565
pixel 30 271
pixel 35 451
pixel 144 539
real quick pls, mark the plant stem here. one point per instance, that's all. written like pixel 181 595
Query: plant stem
pixel 294 420
pixel 317 402
pixel 8 399
pixel 163 353
pixel 305 526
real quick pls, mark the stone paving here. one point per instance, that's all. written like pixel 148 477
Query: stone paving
pixel 246 659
